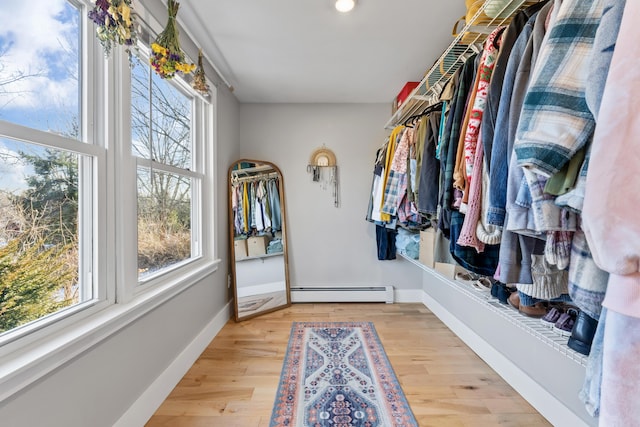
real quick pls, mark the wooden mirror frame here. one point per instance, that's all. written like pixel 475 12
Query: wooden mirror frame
pixel 232 255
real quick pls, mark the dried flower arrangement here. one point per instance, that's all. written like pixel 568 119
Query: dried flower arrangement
pixel 115 20
pixel 167 57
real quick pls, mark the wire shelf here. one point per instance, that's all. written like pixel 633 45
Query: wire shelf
pixel 469 41
pixel 529 325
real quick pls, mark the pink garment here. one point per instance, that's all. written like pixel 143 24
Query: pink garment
pixel 612 196
pixel 399 162
pixel 612 226
pixel 468 235
pixel 620 371
pixel 487 63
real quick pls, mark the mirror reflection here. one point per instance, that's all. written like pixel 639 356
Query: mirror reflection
pixel 258 239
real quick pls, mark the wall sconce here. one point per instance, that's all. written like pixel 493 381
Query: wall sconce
pixel 345 5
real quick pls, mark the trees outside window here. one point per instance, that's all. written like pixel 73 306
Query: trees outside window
pixel 39 214
pixel 55 168
pixel 162 142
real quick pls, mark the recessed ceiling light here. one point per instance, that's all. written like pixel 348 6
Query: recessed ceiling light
pixel 345 5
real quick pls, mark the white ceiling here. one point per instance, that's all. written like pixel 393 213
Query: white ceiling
pixel 304 51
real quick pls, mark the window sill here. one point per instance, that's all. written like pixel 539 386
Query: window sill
pixel 26 365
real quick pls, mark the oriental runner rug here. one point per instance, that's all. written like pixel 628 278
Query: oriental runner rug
pixel 336 374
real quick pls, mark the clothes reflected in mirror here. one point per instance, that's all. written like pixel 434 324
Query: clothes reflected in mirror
pixel 260 275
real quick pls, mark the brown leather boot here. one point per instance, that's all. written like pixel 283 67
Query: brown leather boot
pixel 537 310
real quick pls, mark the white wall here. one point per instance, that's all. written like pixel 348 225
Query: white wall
pixel 326 245
pixel 98 387
pixel 260 271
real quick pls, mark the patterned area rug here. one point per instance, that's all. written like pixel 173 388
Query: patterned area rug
pixel 336 374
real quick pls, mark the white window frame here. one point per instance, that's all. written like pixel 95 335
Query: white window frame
pixel 203 135
pixel 39 348
pixel 92 219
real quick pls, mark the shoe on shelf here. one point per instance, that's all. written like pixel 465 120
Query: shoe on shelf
pixel 552 316
pixel 495 287
pixel 565 323
pixel 537 310
pixel 504 292
pixel 465 277
pixel 582 334
pixel 514 300
pixel 482 284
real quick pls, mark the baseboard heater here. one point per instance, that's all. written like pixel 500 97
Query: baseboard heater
pixel 343 294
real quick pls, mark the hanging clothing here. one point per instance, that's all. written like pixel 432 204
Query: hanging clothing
pixel 258 210
pixel 611 198
pixel 620 368
pixel 518 244
pixel 468 236
pixel 556 121
pixel 245 206
pixel 274 204
pixel 507 117
pixel 587 282
pixel 386 241
pixel 375 201
pixel 430 170
pixel 396 183
pixel 487 62
pixel 484 264
pixel 256 206
pixel 460 169
pixel 446 97
pixel 238 214
pixel 449 146
pixel 418 142
pixel 252 204
pixel 498 77
pixel 389 154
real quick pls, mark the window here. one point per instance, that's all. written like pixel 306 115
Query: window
pixel 40 81
pixel 162 141
pixel 92 152
pixel 45 168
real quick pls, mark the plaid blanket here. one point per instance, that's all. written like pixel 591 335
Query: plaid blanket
pixel 555 120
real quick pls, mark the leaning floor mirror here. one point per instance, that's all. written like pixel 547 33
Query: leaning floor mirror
pixel 258 244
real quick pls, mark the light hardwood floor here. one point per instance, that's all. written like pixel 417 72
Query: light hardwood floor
pixel 234 381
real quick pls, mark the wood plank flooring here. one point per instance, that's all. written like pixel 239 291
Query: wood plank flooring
pixel 234 381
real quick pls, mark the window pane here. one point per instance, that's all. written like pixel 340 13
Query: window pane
pixel 40 66
pixel 160 120
pixel 38 233
pixel 140 109
pixel 164 220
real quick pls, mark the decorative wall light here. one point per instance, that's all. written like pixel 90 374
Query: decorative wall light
pixel 322 165
pixel 345 5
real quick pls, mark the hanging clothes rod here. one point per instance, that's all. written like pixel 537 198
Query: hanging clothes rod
pixel 237 179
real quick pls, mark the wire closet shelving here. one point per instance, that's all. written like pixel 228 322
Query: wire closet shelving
pixel 490 15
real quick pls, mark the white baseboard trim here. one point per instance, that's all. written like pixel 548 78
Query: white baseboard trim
pixel 146 405
pixel 548 405
pixel 343 294
pixel 408 295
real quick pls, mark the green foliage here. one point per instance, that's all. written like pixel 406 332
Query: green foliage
pixel 31 280
pixel 53 195
pixel 39 262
